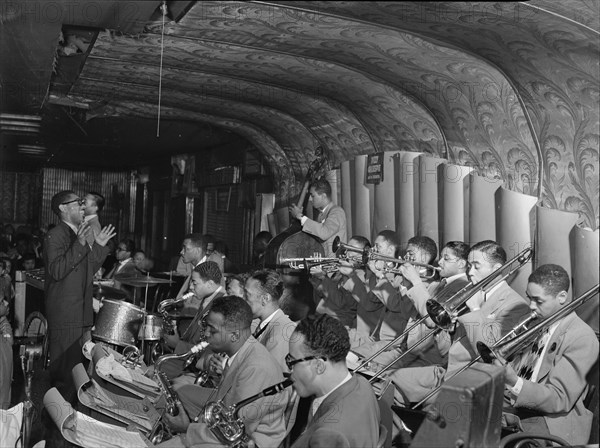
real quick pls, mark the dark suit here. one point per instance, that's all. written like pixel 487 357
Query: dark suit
pixel 69 275
pixel 559 390
pixel 328 225
pixel 349 417
pixel 252 370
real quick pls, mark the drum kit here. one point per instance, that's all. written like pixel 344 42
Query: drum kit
pixel 122 324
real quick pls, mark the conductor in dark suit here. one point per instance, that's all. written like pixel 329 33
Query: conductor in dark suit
pixel 70 262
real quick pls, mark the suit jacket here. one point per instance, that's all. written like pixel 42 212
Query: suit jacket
pixel 252 370
pixel 330 224
pixel 369 308
pixel 276 337
pixel 500 313
pixel 559 391
pixel 349 417
pixel 128 270
pixel 96 228
pixel 69 270
pixel 333 300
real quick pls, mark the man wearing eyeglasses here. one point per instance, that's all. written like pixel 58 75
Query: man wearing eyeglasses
pixel 344 411
pixel 70 263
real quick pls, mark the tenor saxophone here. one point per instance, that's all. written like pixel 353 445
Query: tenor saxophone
pixel 171 398
pixel 225 422
pixel 168 324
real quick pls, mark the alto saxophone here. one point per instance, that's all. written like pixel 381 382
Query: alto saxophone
pixel 225 422
pixel 171 398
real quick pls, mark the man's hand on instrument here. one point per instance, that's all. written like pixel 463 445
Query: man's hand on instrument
pixel 216 363
pixel 180 422
pixel 105 234
pixel 410 273
pixel 296 211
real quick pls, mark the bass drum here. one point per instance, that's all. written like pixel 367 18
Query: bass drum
pixel 289 244
pixel 117 323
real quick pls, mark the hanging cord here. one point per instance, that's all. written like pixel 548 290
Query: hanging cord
pixel 163 8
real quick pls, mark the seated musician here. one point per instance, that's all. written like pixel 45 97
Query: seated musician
pixel 352 282
pixel 498 311
pixel 546 383
pixel 124 266
pixel 453 272
pixel 331 298
pixel 206 285
pixel 382 285
pixel 262 292
pixel 344 411
pixel 250 369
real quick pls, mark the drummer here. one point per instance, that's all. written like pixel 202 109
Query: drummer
pixel 124 267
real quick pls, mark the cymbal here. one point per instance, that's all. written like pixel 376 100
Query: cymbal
pixel 109 292
pixel 143 281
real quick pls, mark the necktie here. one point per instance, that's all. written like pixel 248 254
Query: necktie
pixel 259 331
pixel 441 285
pixel 526 365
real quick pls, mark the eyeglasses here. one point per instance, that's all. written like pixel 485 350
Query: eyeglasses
pixel 291 362
pixel 79 201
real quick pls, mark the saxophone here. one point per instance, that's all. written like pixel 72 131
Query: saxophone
pixel 169 324
pixel 171 398
pixel 225 423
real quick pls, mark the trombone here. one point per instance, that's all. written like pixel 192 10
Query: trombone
pixel 443 315
pixel 519 338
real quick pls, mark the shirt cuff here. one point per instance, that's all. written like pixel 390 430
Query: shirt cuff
pixel 516 389
pixel 303 220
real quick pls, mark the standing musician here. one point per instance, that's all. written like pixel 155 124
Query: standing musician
pixel 193 252
pixel 344 411
pixel 546 385
pixel 331 221
pixel 499 310
pixel 70 263
pixel 250 369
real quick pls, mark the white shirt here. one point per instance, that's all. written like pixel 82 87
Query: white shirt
pixel 317 401
pixel 123 263
pixel 267 320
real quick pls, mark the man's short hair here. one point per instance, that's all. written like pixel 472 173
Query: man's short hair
pixel 322 186
pixel 391 238
pixel 460 249
pixel 61 197
pixel 235 310
pixel 362 241
pixel 425 244
pixel 197 240
pixel 270 282
pixel 263 237
pixel 129 245
pixel 552 278
pixel 98 199
pixel 325 336
pixel 209 270
pixel 492 250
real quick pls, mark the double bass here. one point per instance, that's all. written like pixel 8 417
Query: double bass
pixel 293 242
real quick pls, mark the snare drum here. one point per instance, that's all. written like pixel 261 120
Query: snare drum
pixel 117 323
pixel 151 329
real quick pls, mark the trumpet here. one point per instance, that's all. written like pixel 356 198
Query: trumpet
pixel 341 250
pixel 443 315
pixel 311 262
pixel 398 262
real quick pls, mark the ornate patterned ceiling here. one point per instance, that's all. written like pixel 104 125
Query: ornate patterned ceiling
pixel 510 88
